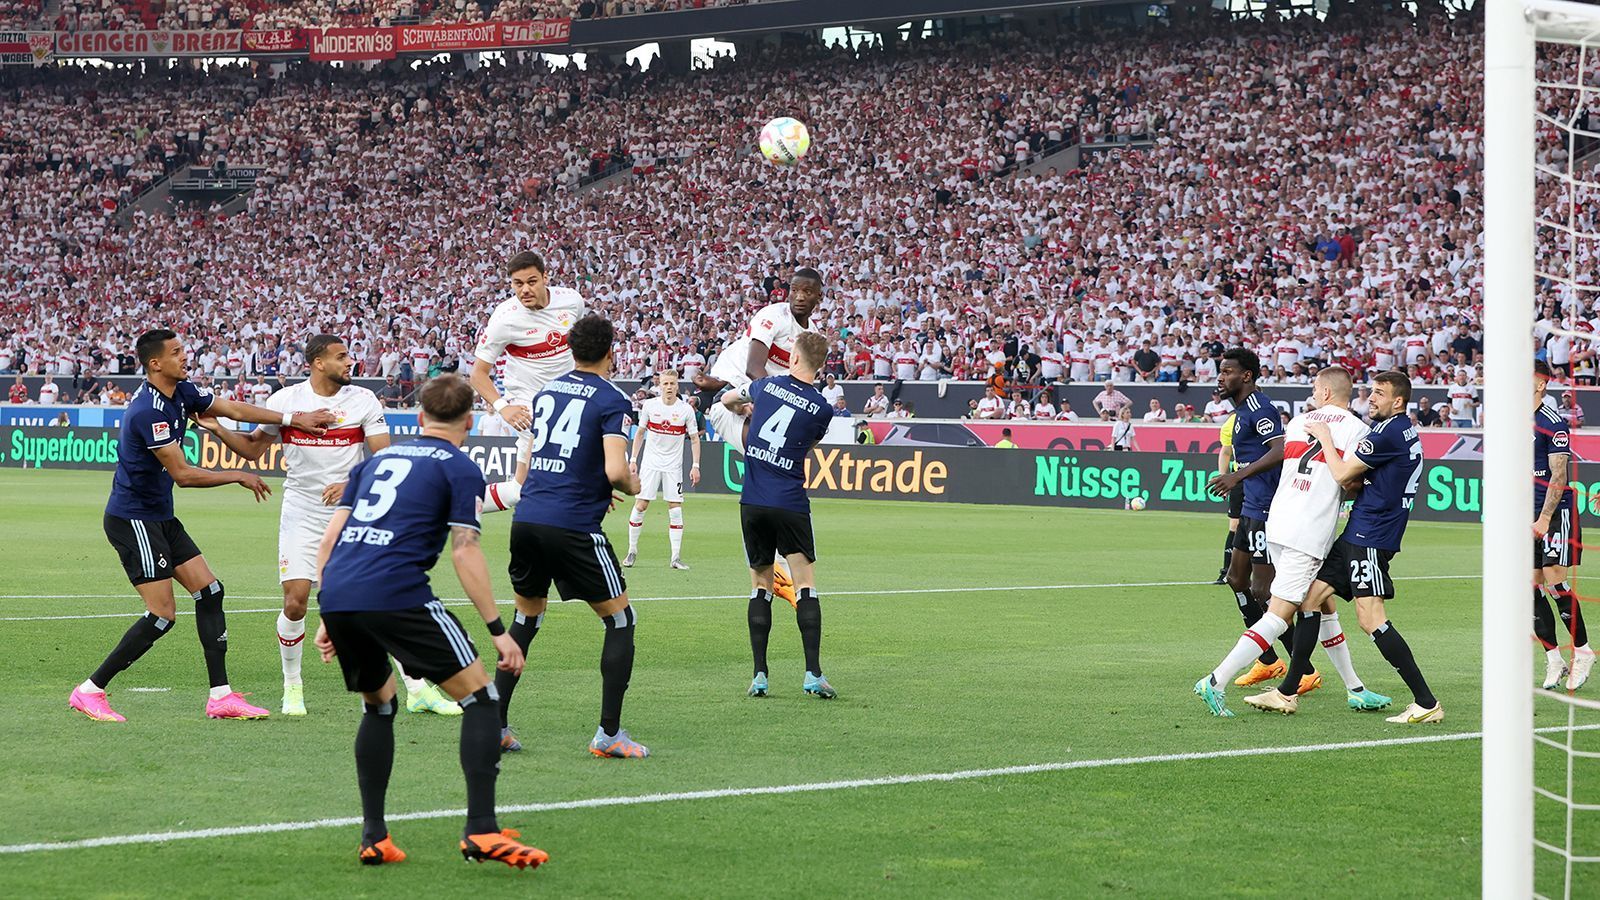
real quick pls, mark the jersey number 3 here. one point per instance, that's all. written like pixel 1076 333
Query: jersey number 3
pixel 382 490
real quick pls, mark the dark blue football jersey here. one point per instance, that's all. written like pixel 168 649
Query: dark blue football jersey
pixel 1551 437
pixel 141 487
pixel 403 501
pixel 567 485
pixel 1393 455
pixel 1256 424
pixel 789 418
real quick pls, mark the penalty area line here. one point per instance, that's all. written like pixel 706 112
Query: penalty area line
pixel 461 601
pixel 162 837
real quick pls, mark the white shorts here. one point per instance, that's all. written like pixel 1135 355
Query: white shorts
pixel 300 528
pixel 1296 569
pixel 666 481
pixel 728 425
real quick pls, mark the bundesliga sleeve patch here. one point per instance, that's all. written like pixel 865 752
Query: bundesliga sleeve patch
pixel 161 431
pixel 1263 426
pixel 1364 448
pixel 1559 439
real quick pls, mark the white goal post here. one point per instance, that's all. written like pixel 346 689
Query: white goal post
pixel 1514 31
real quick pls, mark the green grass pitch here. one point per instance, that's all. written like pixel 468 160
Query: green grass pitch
pixel 946 661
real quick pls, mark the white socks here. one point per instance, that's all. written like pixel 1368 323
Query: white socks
pixel 220 691
pixel 675 530
pixel 413 685
pixel 635 528
pixel 89 687
pixel 1333 642
pixel 1256 640
pixel 291 645
pixel 502 495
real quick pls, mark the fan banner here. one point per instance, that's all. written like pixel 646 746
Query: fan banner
pixel 123 44
pixel 536 33
pixel 26 48
pixel 350 44
pixel 282 40
pixel 449 38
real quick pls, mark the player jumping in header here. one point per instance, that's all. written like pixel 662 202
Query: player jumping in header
pixel 766 350
pixel 529 329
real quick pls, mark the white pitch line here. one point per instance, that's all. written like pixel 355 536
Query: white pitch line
pixel 162 837
pixel 461 601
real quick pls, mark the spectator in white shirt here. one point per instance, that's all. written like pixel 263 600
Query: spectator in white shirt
pixel 1122 430
pixel 899 411
pixel 832 391
pixel 1463 403
pixel 991 406
pixel 878 403
pixel 1218 408
pixel 49 391
pixel 1066 414
pixel 1156 413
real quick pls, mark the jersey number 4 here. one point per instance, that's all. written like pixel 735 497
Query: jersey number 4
pixel 382 490
pixel 565 434
pixel 776 428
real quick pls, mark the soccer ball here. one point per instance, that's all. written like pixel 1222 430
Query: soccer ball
pixel 1136 504
pixel 785 141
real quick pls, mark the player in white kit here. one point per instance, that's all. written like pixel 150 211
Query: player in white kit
pixel 1300 531
pixel 317 466
pixel 665 423
pixel 766 349
pixel 530 330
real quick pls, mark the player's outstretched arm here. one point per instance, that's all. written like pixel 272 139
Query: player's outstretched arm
pixel 1344 470
pixel 755 365
pixel 251 446
pixel 316 421
pixel 185 475
pixel 617 468
pixel 482 381
pixel 466 554
pixel 736 399
pixel 1223 482
pixel 707 383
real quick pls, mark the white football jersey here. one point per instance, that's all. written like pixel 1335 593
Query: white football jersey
pixel 315 461
pixel 773 325
pixel 666 430
pixel 1305 510
pixel 533 342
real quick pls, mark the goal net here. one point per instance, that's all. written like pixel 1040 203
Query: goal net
pixel 1541 749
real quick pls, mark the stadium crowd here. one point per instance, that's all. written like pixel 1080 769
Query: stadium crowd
pixel 20 13
pixel 1311 190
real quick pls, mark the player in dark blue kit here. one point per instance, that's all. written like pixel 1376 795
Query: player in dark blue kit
pixel 376 601
pixel 1258 457
pixel 577 456
pixel 149 539
pixel 1387 463
pixel 788 417
pixel 1557 543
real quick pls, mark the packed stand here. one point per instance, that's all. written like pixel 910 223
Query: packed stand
pixel 392 199
pixel 17 14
